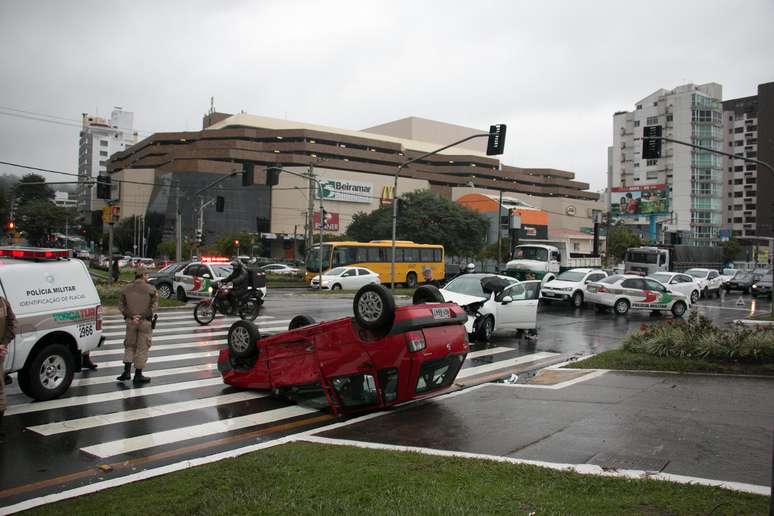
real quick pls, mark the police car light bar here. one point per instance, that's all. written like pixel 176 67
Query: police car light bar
pixel 35 253
pixel 215 259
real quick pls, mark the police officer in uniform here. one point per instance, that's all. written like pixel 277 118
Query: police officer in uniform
pixel 8 330
pixel 139 300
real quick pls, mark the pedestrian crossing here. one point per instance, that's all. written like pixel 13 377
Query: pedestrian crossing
pixel 186 402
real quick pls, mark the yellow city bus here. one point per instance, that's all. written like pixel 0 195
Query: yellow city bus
pixel 410 259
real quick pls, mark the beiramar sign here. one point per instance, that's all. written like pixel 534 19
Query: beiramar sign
pixel 345 191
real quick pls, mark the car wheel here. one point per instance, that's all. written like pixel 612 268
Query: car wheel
pixel 427 294
pixel 243 339
pixel 577 299
pixel 679 309
pixel 336 286
pixel 165 290
pixel 374 307
pixel 485 329
pixel 694 296
pixel 181 295
pixel 621 307
pixel 49 374
pixel 204 312
pixel 300 321
pixel 411 280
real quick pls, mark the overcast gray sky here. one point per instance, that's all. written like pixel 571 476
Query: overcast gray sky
pixel 554 71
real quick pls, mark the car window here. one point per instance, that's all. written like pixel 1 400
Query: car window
pixel 467 284
pixel 682 278
pixel 573 276
pixel 190 270
pixel 663 277
pixel 596 276
pixel 611 279
pixel 713 274
pixel 338 271
pixel 633 283
pixel 363 272
pixel 654 285
pixel 696 273
pixel 222 270
pixel 515 291
pixel 349 273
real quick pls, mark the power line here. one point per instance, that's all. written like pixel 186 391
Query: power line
pixel 43 117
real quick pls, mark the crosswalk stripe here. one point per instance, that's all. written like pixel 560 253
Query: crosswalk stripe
pixel 487 352
pixel 111 378
pixel 165 358
pixel 134 392
pixel 178 321
pixel 174 337
pixel 187 316
pixel 144 413
pixel 109 449
pixel 472 371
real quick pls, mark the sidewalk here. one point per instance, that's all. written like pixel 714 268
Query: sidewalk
pixel 710 427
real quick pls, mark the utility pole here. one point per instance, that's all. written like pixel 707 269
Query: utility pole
pixel 309 232
pixel 499 230
pixel 178 226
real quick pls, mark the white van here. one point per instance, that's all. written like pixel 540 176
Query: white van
pixel 59 316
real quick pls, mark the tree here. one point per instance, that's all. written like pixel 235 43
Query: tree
pixel 731 248
pixel 31 188
pixel 224 246
pixel 619 239
pixel 39 218
pixel 168 248
pixel 426 218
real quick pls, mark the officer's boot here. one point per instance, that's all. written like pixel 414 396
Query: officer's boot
pixel 2 435
pixel 127 374
pixel 87 363
pixel 139 378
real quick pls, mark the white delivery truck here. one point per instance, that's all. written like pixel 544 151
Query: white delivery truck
pixel 59 317
pixel 545 259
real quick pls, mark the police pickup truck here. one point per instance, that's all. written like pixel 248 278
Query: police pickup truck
pixel 59 316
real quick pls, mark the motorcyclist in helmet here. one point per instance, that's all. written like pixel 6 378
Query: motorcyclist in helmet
pixel 239 279
pixel 470 268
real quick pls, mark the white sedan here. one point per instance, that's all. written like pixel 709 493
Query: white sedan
pixel 349 278
pixel 570 286
pixel 709 280
pixel 678 282
pixel 279 268
pixel 494 303
pixel 624 292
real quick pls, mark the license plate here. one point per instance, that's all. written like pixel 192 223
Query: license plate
pixel 441 313
pixel 85 330
pixel 550 294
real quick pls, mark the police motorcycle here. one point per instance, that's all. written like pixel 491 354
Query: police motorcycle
pixel 248 306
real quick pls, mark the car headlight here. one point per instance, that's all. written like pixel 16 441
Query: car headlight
pixel 565 289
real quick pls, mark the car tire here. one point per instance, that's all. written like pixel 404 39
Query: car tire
pixel 374 307
pixel 243 339
pixel 204 312
pixel 427 294
pixel 165 290
pixel 679 309
pixel 300 321
pixel 621 307
pixel 577 299
pixel 49 374
pixel 484 329
pixel 336 286
pixel 181 295
pixel 694 297
pixel 411 280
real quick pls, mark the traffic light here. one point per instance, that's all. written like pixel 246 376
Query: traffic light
pixel 220 203
pixel 103 187
pixel 236 243
pixel 651 142
pixel 199 235
pixel 496 143
pixel 11 225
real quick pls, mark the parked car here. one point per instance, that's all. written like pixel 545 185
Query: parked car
pixel 382 356
pixel 630 292
pixel 279 268
pixel 570 286
pixel 164 279
pixel 350 278
pixel 708 279
pixel 742 281
pixel 679 282
pixel 494 302
pixel 762 287
pixel 727 274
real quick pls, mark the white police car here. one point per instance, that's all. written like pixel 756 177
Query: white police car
pixel 624 292
pixel 59 316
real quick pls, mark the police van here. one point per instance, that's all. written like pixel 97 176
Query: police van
pixel 59 317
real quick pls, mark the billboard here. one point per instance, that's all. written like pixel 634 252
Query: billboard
pixel 331 221
pixel 639 200
pixel 345 191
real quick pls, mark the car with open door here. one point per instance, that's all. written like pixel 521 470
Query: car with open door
pixel 382 356
pixel 494 303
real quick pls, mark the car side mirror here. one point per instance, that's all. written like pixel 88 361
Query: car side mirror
pixel 507 300
pixel 587 282
pixel 207 276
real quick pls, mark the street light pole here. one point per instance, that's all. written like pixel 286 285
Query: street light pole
pixel 395 193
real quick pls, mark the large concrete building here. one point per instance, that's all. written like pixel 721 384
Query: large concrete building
pixel 99 139
pixel 749 121
pixel 690 181
pixel 357 168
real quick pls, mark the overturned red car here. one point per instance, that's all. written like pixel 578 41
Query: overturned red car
pixel 380 357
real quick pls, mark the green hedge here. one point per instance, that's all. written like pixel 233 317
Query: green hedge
pixel 697 337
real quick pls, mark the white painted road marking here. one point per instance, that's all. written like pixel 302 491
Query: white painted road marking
pixel 503 364
pixel 111 378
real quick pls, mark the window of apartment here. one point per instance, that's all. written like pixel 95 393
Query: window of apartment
pixel 636 165
pixel 730 118
pixel 103 153
pixel 738 143
pixel 750 180
pixel 738 181
pixel 752 141
pixel 752 166
pixel 652 120
pixel 738 168
pixel 102 163
pixel 655 104
pixel 729 220
pixel 751 154
pixel 639 106
pixel 751 128
pixel 669 118
pixel 749 206
pixel 749 219
pixel 737 194
pixel 636 123
pixel 737 220
pixel 103 143
pixel 651 162
pixel 737 207
pixel 739 130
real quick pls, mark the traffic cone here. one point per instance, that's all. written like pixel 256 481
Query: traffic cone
pixel 740 301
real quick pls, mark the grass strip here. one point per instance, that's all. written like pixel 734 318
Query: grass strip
pixel 622 359
pixel 305 478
